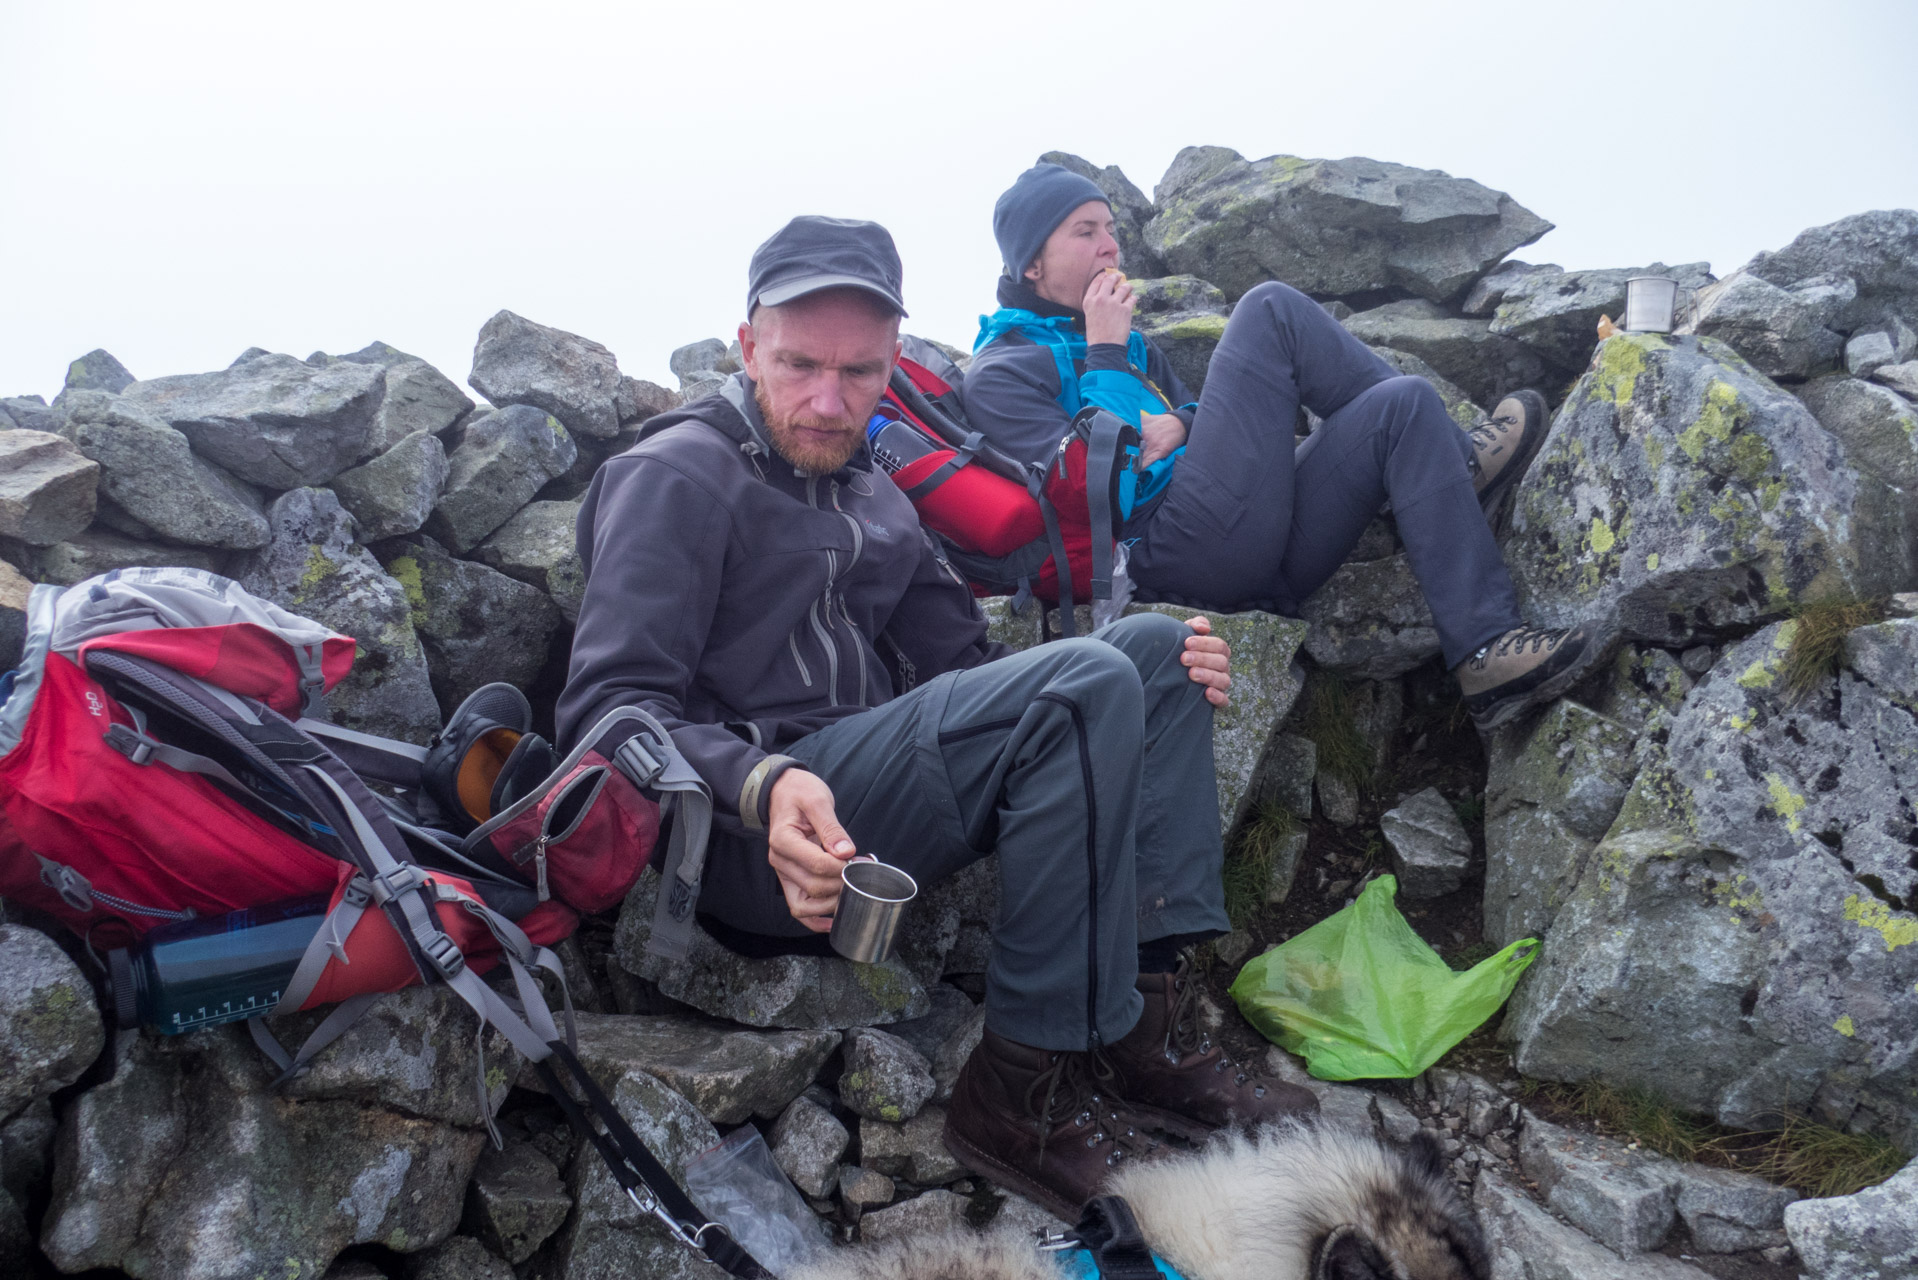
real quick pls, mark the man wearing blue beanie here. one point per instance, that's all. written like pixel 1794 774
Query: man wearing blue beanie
pixel 1229 514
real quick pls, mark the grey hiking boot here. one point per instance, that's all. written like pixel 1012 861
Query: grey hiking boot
pixel 1503 446
pixel 1522 668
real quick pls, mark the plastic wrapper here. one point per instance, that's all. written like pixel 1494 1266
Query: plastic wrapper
pixel 736 1182
pixel 1361 997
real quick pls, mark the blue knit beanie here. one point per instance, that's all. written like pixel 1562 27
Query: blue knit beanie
pixel 1032 209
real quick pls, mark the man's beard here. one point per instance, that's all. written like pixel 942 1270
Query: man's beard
pixel 813 457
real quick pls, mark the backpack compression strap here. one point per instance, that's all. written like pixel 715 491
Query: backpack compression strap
pixel 649 760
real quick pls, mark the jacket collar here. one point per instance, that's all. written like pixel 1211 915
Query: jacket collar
pixel 734 413
pixel 1021 296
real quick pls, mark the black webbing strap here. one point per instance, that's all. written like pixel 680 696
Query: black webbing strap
pixel 1102 465
pixel 1108 1229
pixel 638 1173
pixel 953 434
pixel 1068 625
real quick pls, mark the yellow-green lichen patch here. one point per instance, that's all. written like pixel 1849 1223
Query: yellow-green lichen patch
pixel 319 567
pixel 887 989
pixel 405 570
pixel 1722 413
pixel 1620 361
pixel 1211 327
pixel 1785 802
pixel 1868 913
pixel 1601 537
pixel 1757 676
pixel 1844 1026
pixel 1651 563
pixel 1655 453
pixel 1739 895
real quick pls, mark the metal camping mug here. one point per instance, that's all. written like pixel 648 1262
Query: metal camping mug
pixel 872 902
pixel 1650 302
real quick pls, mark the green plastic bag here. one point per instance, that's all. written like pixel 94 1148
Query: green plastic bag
pixel 1362 997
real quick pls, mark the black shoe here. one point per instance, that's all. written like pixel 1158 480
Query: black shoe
pixel 1525 667
pixel 465 760
pixel 1503 446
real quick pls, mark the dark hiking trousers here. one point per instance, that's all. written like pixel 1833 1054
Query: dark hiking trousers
pixel 1249 523
pixel 1087 765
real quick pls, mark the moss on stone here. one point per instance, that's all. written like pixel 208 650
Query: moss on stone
pixel 884 985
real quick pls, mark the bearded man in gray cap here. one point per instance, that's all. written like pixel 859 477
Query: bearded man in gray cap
pixel 1228 513
pixel 754 582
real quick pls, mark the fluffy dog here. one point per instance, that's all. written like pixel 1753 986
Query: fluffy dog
pixel 1291 1202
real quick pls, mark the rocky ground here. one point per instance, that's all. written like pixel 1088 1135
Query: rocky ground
pixel 1714 836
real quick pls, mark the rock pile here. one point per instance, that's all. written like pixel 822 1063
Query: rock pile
pixel 1717 850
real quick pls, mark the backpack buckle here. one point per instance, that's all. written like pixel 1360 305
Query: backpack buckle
pixel 391 884
pixel 129 742
pixel 444 953
pixel 641 759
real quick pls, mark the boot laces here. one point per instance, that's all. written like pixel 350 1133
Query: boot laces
pixel 1183 1036
pixel 1068 1093
pixel 1520 640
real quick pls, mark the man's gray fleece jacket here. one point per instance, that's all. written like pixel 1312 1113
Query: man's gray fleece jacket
pixel 746 605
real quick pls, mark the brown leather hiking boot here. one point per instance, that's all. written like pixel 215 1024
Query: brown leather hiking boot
pixel 1502 447
pixel 1039 1122
pixel 1523 668
pixel 1175 1079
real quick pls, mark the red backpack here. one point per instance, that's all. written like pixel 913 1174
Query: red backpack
pixel 156 766
pixel 1012 528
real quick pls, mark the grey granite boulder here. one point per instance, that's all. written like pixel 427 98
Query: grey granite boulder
pixel 30 413
pixel 1131 211
pixel 1785 333
pixel 395 492
pixel 501 463
pixel 14 590
pixel 96 551
pixel 518 362
pixel 1185 317
pixel 97 370
pixel 1528 1243
pixel 1867 353
pixel 1370 620
pixel 47 487
pixel 1876 251
pixel 1729 1212
pixel 1641 689
pixel 1626 1200
pixel 929 1213
pixel 1902 378
pixel 1466 351
pixel 885 1078
pixel 1741 940
pixel 1872 1235
pixel 1875 424
pixel 1680 490
pixel 946 1036
pixel 148 470
pixel 457 1258
pixel 639 400
pixel 708 355
pixel 1429 849
pixel 314 567
pixel 476 624
pixel 516 1200
pixel 1460 406
pixel 607 1234
pixel 538 545
pixel 272 421
pixel 1556 313
pixel 794 992
pixel 729 1073
pixel 807 1142
pixel 50 1029
pixel 862 1188
pixel 913 1150
pixel 1331 227
pixel 183 1167
pixel 1555 784
pixel 418 396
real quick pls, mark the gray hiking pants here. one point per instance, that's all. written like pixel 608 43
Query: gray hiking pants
pixel 1087 765
pixel 1247 522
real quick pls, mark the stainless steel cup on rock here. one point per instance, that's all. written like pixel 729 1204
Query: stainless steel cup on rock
pixel 872 902
pixel 1650 303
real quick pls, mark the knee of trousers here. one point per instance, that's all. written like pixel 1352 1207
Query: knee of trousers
pixel 1149 640
pixel 1413 399
pixel 1277 295
pixel 1097 679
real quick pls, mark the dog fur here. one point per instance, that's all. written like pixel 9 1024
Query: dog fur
pixel 1291 1202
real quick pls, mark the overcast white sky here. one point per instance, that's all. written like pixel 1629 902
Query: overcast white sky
pixel 181 181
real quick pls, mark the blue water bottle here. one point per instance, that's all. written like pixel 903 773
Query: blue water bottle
pixel 199 973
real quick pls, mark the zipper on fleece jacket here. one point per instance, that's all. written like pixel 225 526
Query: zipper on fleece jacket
pixel 858 546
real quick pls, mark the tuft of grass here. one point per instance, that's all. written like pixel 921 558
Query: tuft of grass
pixel 1248 866
pixel 1813 1159
pixel 1326 717
pixel 1819 638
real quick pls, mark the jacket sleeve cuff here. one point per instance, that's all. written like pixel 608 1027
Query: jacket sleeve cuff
pixel 1186 413
pixel 1107 355
pixel 755 795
